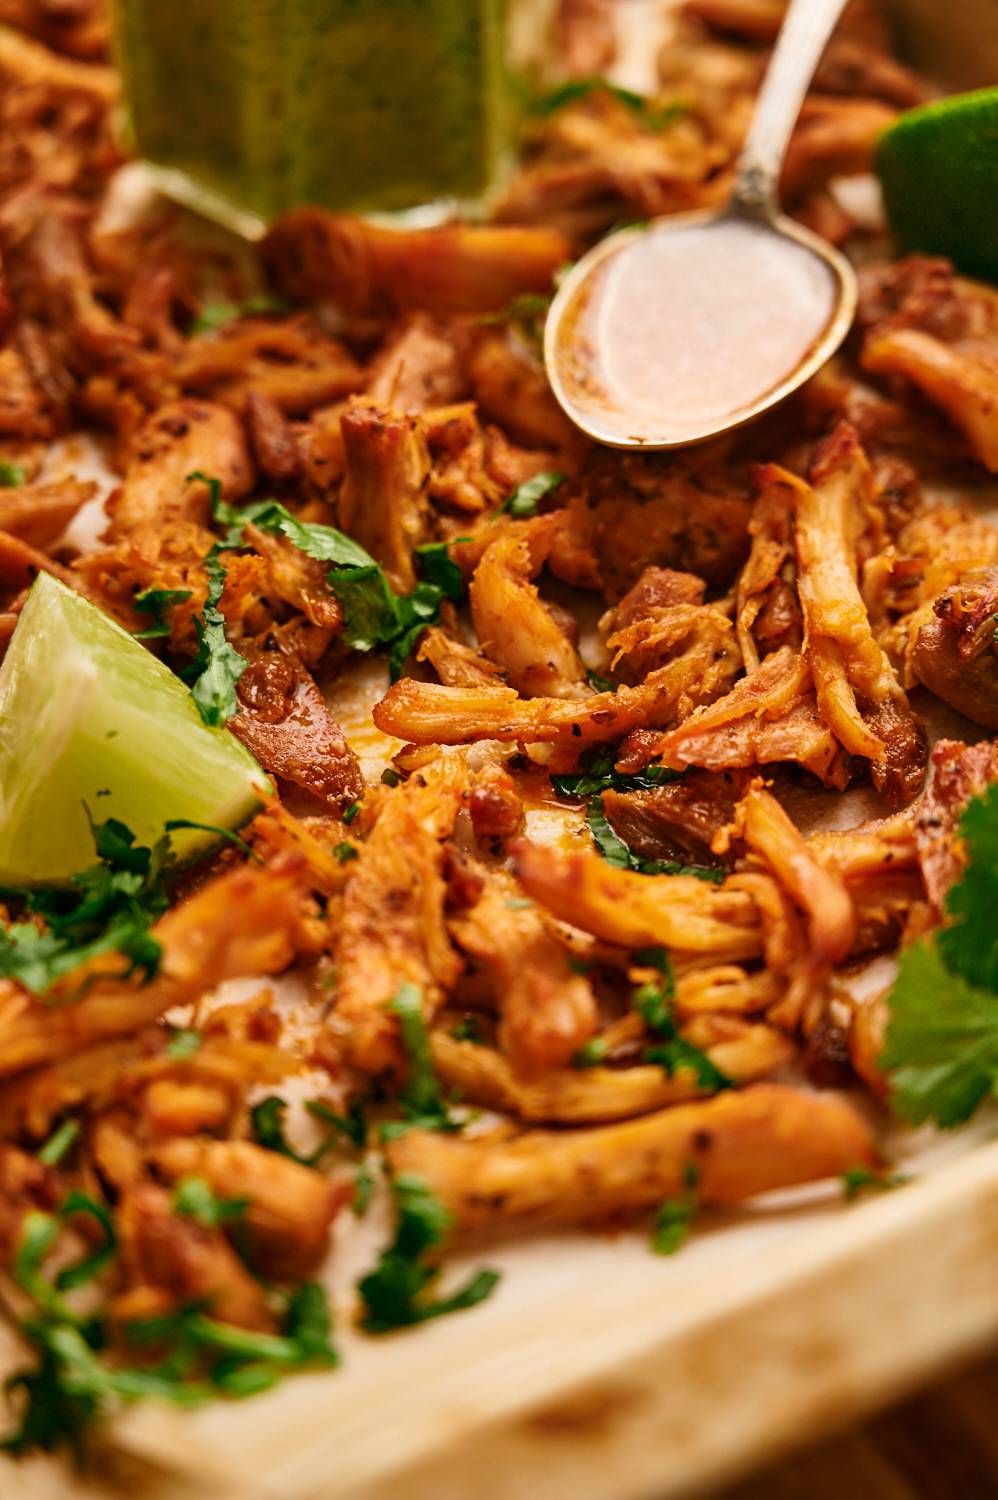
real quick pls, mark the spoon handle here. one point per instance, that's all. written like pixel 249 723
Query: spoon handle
pixel 805 32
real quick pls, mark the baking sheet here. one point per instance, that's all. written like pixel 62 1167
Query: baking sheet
pixel 597 1369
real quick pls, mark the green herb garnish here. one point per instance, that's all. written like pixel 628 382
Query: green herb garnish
pixel 526 497
pixel 394 1293
pixel 654 1003
pixel 158 603
pixel 109 910
pixel 674 1218
pixel 193 1198
pixel 941 1050
pixel 218 666
pixel 214 315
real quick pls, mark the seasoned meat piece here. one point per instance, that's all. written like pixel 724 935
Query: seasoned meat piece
pixel 185 1260
pixel 317 256
pixel 655 510
pixel 383 503
pixel 955 655
pixel 182 438
pixel 274 444
pixel 284 722
pixel 421 366
pixel 657 588
pixel 679 819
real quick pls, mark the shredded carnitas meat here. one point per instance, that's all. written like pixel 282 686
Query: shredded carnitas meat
pixel 772 609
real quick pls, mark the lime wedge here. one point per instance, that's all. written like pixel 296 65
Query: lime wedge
pixel 88 716
pixel 938 167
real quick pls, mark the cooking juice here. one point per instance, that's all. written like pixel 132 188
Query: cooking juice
pixel 250 106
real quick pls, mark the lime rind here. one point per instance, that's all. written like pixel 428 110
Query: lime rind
pixel 938 168
pixel 90 720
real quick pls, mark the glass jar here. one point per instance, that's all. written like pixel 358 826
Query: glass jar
pixel 247 107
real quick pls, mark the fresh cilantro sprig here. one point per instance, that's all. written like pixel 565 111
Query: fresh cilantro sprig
pixel 194 1198
pixel 109 910
pixel 862 1179
pixel 941 1049
pixel 655 1004
pixel 394 1293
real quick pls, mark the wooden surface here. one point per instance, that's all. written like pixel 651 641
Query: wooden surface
pixel 940 1445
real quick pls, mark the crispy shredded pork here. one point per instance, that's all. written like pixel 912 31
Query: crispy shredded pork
pixel 608 696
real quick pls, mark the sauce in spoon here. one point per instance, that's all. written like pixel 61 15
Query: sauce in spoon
pixel 691 327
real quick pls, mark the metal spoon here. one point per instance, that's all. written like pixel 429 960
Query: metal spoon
pixel 673 332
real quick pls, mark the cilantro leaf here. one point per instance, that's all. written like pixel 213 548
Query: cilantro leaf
pixel 156 603
pixel 110 909
pixel 218 666
pixel 969 947
pixel 393 1292
pixel 941 1049
pixel 526 497
pixel 439 569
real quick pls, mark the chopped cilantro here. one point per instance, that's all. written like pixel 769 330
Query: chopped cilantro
pixel 591 1054
pixel 11 475
pixel 654 1004
pixel 674 1218
pixel 862 1179
pixel 599 683
pixel 58 1143
pixel 183 1044
pixel 350 813
pixel 214 315
pixel 646 109
pixel 394 1292
pixel 157 603
pixel 109 910
pixel 267 1125
pixel 468 1029
pixel 438 568
pixel 363 1187
pixel 193 1198
pixel 344 851
pixel 422 1103
pixel 390 777
pixel 598 775
pixel 525 498
pixel 218 666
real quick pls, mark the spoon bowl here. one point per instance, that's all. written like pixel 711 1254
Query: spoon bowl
pixel 671 333
pixel 674 332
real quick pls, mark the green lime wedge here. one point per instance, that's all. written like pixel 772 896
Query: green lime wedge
pixel 938 167
pixel 90 719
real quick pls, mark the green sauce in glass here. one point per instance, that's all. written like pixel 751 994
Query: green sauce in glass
pixel 368 105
